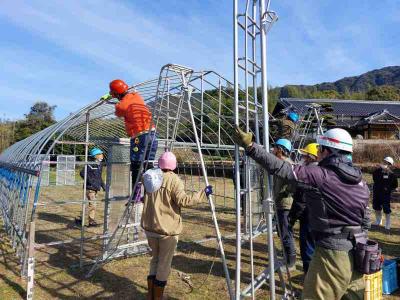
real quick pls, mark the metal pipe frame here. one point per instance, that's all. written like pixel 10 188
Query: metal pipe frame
pixel 21 195
pixel 269 202
pixel 210 200
pixel 254 20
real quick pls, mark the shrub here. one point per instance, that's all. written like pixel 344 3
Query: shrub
pixel 375 153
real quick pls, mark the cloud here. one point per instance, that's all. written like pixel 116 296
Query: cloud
pixel 78 46
pixel 124 40
pixel 66 52
pixel 337 59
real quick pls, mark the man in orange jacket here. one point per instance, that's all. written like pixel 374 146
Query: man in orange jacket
pixel 138 125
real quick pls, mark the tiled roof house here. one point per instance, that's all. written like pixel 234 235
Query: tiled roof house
pixel 369 119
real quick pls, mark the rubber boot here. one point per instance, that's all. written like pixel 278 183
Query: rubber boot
pixel 387 224
pixel 378 218
pixel 158 292
pixel 158 289
pixel 150 287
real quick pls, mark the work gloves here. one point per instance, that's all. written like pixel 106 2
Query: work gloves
pixel 208 190
pixel 106 97
pixel 241 138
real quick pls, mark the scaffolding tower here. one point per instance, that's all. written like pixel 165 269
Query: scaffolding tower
pixel 252 21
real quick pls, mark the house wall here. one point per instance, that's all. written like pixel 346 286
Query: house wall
pixel 386 132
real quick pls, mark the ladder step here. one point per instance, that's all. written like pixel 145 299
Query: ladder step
pixel 243 191
pixel 252 110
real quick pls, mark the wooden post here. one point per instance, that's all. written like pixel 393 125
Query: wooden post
pixel 31 261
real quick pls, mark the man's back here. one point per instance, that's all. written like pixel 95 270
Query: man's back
pixel 136 113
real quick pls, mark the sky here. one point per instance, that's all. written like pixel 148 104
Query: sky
pixel 66 52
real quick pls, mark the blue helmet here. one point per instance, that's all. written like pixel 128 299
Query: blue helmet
pixel 294 117
pixel 285 144
pixel 95 151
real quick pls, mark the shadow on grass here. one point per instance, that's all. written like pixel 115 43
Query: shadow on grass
pixel 10 263
pixel 15 286
pixel 54 218
pixel 200 266
pixel 9 259
pixel 105 282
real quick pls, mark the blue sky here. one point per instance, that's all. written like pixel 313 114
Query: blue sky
pixel 66 52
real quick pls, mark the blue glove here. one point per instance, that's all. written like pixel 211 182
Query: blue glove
pixel 208 190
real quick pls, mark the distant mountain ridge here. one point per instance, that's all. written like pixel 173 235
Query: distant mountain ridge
pixel 384 76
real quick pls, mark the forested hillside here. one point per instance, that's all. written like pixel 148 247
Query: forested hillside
pixel 381 84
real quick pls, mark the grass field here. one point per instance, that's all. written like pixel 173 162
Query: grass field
pixel 197 272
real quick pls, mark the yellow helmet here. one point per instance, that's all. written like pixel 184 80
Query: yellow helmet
pixel 310 149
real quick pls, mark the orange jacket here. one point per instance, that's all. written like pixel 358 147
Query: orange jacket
pixel 135 112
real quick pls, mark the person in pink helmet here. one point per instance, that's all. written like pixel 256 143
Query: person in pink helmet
pixel 161 218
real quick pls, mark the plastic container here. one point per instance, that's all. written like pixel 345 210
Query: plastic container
pixel 389 277
pixel 373 286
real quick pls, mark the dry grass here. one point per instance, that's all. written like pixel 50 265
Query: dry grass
pixel 58 277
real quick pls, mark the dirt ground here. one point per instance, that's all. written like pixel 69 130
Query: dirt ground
pixel 197 271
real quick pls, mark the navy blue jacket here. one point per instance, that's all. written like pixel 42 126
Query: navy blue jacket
pixel 94 180
pixel 384 182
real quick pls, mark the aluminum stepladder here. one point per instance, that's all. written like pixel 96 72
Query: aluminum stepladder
pixel 310 124
pixel 185 93
pixel 182 94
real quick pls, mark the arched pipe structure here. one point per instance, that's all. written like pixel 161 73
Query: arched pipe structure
pixel 206 128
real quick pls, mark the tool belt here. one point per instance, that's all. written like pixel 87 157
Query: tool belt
pixel 367 255
pixel 345 233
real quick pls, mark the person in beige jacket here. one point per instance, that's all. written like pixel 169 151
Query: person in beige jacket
pixel 161 218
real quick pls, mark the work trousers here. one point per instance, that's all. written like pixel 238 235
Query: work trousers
pixel 382 201
pixel 287 235
pixel 332 276
pixel 307 244
pixel 91 196
pixel 162 252
pixel 139 153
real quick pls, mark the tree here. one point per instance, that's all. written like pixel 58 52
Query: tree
pixel 289 91
pixel 326 94
pixel 384 92
pixel 40 116
pixel 6 134
pixel 42 111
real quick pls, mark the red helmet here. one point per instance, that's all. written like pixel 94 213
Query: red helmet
pixel 118 87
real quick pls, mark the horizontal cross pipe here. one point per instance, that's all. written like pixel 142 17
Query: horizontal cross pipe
pixel 74 143
pixel 19 169
pixel 68 202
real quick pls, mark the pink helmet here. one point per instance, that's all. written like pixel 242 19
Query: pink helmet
pixel 167 161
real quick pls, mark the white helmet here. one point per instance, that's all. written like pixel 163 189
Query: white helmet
pixel 389 160
pixel 336 138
